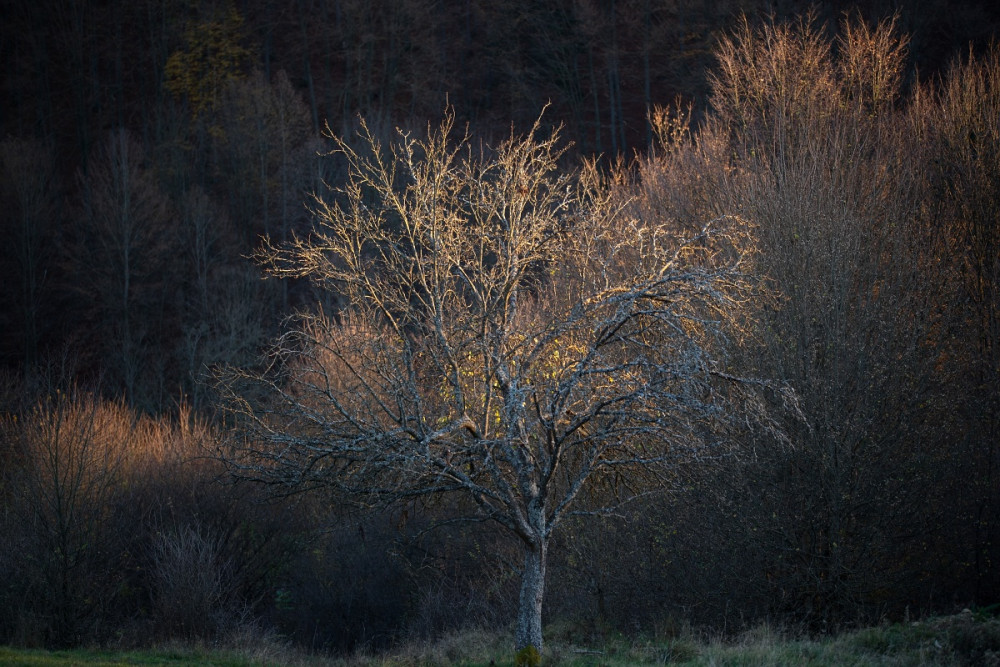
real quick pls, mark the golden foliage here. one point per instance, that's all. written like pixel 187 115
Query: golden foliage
pixel 213 56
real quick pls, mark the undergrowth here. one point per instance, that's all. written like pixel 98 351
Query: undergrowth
pixel 969 638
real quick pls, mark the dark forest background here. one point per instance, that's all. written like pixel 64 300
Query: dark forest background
pixel 146 146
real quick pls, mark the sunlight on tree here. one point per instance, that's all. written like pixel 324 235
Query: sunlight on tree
pixel 509 333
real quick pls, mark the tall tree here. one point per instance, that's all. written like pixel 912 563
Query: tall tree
pixel 962 123
pixel 28 194
pixel 117 257
pixel 507 335
pixel 827 169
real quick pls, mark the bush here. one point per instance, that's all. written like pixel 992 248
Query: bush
pixel 116 529
pixel 192 582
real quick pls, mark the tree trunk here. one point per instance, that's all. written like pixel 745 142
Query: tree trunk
pixel 529 610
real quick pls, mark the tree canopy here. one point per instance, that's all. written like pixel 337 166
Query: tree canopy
pixel 508 331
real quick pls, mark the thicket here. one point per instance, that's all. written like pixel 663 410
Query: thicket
pixel 874 198
pixel 885 279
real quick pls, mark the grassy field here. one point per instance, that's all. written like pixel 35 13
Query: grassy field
pixel 964 639
pixel 101 658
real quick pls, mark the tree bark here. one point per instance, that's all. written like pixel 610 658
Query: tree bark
pixel 529 611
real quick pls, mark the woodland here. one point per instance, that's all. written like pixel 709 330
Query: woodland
pixel 318 318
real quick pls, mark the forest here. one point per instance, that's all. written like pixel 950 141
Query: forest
pixel 354 322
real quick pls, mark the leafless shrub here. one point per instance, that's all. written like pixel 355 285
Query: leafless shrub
pixel 193 583
pixel 112 519
pixel 63 481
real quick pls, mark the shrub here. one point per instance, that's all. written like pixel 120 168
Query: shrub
pixel 192 580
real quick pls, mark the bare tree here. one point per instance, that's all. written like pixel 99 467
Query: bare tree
pixel 119 255
pixel 835 178
pixel 27 187
pixel 65 473
pixel 508 333
pixel 960 120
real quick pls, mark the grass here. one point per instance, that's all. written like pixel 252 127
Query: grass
pixel 107 658
pixel 242 650
pixel 964 639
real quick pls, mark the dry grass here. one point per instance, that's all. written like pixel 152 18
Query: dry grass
pixel 964 639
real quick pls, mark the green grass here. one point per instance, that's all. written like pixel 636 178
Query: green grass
pixel 965 639
pixel 103 658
